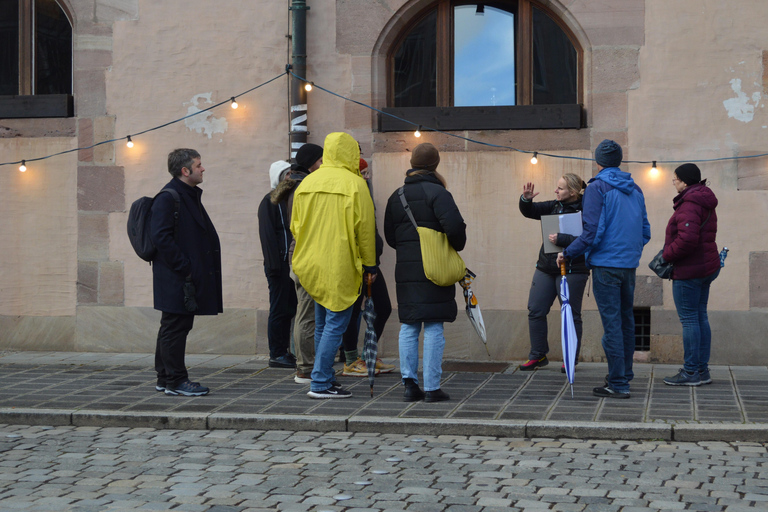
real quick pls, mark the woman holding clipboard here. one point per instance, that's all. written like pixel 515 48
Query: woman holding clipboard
pixel 545 287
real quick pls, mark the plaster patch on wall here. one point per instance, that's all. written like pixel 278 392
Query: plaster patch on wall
pixel 204 123
pixel 740 107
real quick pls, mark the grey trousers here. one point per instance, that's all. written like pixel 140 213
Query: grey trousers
pixel 304 328
pixel 545 288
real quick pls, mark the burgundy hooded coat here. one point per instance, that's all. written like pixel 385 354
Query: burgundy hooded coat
pixel 690 246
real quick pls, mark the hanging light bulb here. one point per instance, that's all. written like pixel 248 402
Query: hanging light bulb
pixel 417 133
pixel 534 159
pixel 234 103
pixel 23 166
pixel 654 169
pixel 130 142
pixel 308 86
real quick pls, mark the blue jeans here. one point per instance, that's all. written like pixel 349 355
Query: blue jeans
pixel 691 296
pixel 434 343
pixel 329 328
pixel 614 290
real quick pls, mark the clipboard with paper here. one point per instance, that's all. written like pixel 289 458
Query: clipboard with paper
pixel 568 223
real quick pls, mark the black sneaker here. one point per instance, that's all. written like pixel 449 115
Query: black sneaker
pixel 283 361
pixel 187 388
pixel 609 392
pixel 160 387
pixel 683 378
pixel 437 395
pixel 330 393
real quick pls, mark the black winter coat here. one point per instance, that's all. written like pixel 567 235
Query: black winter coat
pixel 418 298
pixel 195 250
pixel 275 235
pixel 547 263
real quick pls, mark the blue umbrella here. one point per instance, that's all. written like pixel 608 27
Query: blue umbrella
pixel 567 329
pixel 370 345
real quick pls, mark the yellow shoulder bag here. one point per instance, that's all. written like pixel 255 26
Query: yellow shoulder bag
pixel 442 264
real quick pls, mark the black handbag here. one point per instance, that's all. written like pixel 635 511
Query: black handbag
pixel 662 267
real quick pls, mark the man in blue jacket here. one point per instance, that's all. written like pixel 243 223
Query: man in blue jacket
pixel 615 230
pixel 186 271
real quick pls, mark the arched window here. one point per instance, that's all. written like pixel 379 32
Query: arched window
pixel 515 56
pixel 35 59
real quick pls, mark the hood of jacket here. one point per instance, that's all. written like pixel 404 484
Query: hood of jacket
pixel 699 194
pixel 341 151
pixel 616 178
pixel 275 170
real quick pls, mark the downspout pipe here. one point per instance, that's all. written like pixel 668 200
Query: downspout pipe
pixel 298 128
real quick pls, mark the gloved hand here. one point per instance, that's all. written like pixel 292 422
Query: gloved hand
pixel 190 303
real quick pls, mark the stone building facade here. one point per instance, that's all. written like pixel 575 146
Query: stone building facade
pixel 669 81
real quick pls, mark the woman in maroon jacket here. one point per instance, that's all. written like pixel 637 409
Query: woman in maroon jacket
pixel 690 245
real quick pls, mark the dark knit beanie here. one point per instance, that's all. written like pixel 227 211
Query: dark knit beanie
pixel 688 174
pixel 308 154
pixel 608 154
pixel 425 156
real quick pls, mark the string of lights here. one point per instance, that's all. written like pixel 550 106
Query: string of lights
pixel 309 86
pixel 129 138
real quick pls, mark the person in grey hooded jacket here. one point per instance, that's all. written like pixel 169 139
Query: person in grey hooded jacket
pixel 615 230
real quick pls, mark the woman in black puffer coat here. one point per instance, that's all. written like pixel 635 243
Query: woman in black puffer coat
pixel 545 286
pixel 419 299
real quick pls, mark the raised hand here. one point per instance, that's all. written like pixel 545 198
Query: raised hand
pixel 528 192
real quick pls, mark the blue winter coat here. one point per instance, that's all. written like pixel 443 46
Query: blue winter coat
pixel 615 222
pixel 195 249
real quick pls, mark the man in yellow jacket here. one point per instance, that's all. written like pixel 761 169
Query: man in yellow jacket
pixel 333 224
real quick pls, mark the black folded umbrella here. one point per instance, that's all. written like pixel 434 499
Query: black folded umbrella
pixel 370 345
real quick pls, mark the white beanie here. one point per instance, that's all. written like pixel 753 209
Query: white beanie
pixel 276 171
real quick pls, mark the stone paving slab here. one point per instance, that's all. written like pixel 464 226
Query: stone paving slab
pixel 117 390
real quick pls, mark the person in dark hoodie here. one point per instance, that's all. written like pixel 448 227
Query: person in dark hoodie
pixel 276 237
pixel 308 158
pixel 419 300
pixel 616 229
pixel 690 244
pixel 545 287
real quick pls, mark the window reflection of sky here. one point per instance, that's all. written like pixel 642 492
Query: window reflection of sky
pixel 484 57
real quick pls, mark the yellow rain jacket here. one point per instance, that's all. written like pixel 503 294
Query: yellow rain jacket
pixel 334 226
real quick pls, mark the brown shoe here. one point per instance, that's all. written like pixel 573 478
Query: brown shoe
pixel 302 378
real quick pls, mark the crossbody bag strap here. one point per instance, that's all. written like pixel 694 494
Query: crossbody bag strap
pixel 708 216
pixel 401 193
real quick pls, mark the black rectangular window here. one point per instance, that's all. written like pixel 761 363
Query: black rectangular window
pixel 9 47
pixel 642 329
pixel 555 63
pixel 415 66
pixel 53 49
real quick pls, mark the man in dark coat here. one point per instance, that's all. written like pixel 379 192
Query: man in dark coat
pixel 186 271
pixel 276 238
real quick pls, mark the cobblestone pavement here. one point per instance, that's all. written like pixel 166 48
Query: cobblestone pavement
pixel 90 469
pixel 81 389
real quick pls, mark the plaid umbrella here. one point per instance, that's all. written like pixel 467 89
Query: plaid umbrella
pixel 567 329
pixel 473 309
pixel 370 345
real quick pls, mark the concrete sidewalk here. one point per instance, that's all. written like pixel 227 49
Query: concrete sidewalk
pixel 107 389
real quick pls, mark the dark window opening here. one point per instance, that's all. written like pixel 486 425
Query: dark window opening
pixel 642 329
pixel 555 71
pixel 502 65
pixel 415 66
pixel 35 59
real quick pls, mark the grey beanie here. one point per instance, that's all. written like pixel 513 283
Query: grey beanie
pixel 608 154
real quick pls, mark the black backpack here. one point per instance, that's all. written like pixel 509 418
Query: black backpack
pixel 139 224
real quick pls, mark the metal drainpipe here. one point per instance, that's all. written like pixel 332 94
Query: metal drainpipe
pixel 298 128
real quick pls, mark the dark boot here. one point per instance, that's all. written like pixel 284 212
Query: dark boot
pixel 437 395
pixel 413 392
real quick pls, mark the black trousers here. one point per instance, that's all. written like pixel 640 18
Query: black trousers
pixel 382 306
pixel 171 345
pixel 282 309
